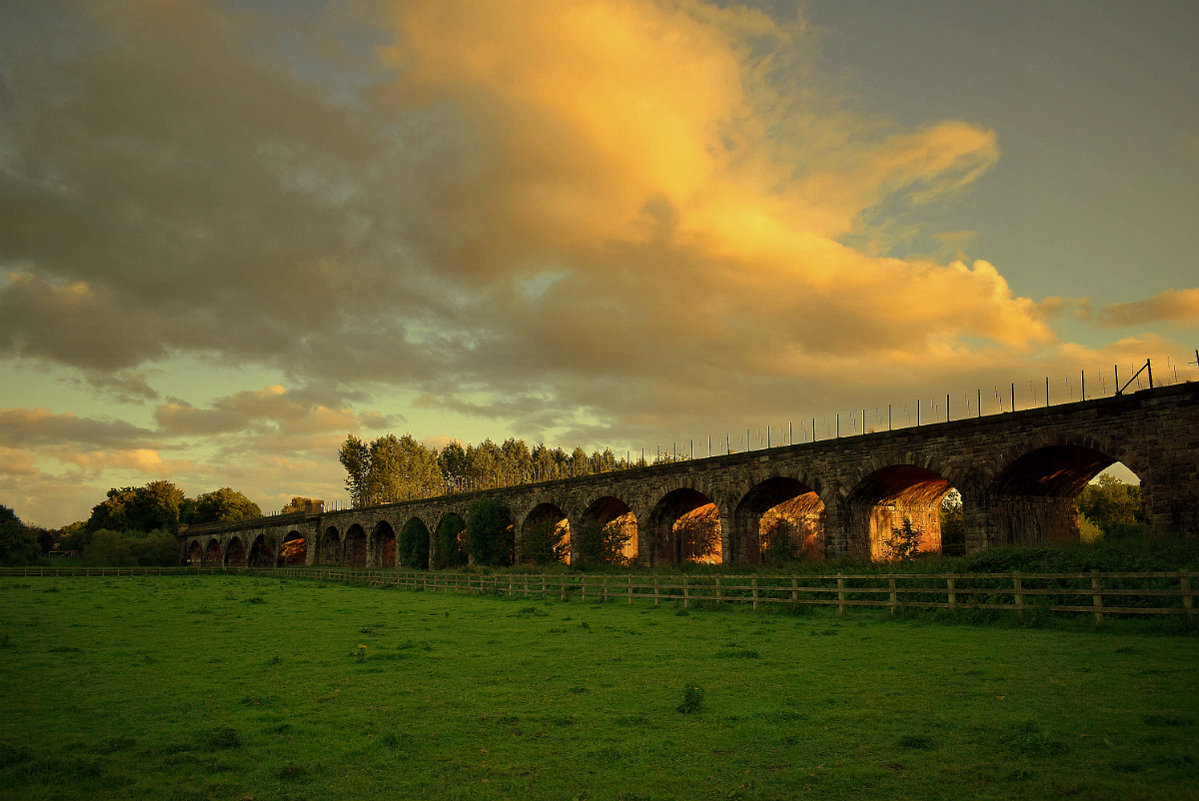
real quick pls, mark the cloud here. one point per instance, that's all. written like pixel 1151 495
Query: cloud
pixel 1174 306
pixel 144 461
pixel 15 462
pixel 41 427
pixel 593 219
pixel 272 409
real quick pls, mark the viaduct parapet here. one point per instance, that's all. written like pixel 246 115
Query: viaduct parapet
pixel 1018 474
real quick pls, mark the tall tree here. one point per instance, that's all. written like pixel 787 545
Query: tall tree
pixel 454 465
pixel 355 457
pixel 402 468
pixel 518 462
pixel 18 543
pixel 486 463
pixel 144 509
pixel 225 505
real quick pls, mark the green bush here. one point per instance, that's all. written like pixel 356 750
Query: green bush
pixel 693 699
pixel 543 543
pixel 109 549
pixel 596 544
pixel 412 546
pixel 490 535
pixel 450 552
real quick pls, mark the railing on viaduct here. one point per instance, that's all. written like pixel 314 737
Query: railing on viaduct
pixel 1017 473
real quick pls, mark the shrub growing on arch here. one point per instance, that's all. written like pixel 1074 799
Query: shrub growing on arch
pixel 544 543
pixel 598 544
pixel 490 536
pixel 450 552
pixel 412 546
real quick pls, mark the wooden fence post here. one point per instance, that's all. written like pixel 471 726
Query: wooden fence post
pixel 630 583
pixel 1096 597
pixel 1018 587
pixel 794 589
pixel 686 594
pixel 719 592
pixel 894 602
pixel 657 600
pixel 754 585
pixel 840 595
pixel 953 596
pixel 1188 600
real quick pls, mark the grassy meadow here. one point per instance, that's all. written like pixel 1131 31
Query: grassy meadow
pixel 238 687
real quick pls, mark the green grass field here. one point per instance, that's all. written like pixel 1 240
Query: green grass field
pixel 236 687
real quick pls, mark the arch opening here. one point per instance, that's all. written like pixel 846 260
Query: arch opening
pixel 212 553
pixel 354 549
pixel 545 536
pixel 686 527
pixel 235 553
pixel 195 554
pixel 412 546
pixel 779 520
pixel 329 550
pixel 260 552
pixel 1111 506
pixel 899 510
pixel 382 545
pixel 608 534
pixel 294 550
pixel 1037 498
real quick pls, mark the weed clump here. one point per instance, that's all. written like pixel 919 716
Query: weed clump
pixel 1031 739
pixel 693 699
pixel 223 737
pixel 737 653
pixel 915 742
pixel 1166 719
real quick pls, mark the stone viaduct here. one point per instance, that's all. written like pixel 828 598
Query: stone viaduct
pixel 1018 474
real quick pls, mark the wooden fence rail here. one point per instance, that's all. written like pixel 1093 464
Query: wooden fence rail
pixel 1097 594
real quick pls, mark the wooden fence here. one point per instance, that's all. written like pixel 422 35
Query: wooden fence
pixel 1095 593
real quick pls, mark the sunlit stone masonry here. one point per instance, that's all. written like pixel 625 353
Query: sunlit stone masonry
pixel 1018 474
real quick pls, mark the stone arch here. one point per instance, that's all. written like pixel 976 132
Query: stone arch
pixel 544 536
pixel 353 549
pixel 1033 494
pixel 294 550
pixel 618 528
pixel 329 550
pixel 685 527
pixel 261 552
pixel 1060 444
pixel 212 553
pixel 383 545
pixel 195 553
pixel 779 519
pixel 235 553
pixel 884 499
pixel 412 545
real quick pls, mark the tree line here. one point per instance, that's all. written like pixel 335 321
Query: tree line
pixel 390 468
pixel 131 526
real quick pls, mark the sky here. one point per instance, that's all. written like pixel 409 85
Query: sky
pixel 233 232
